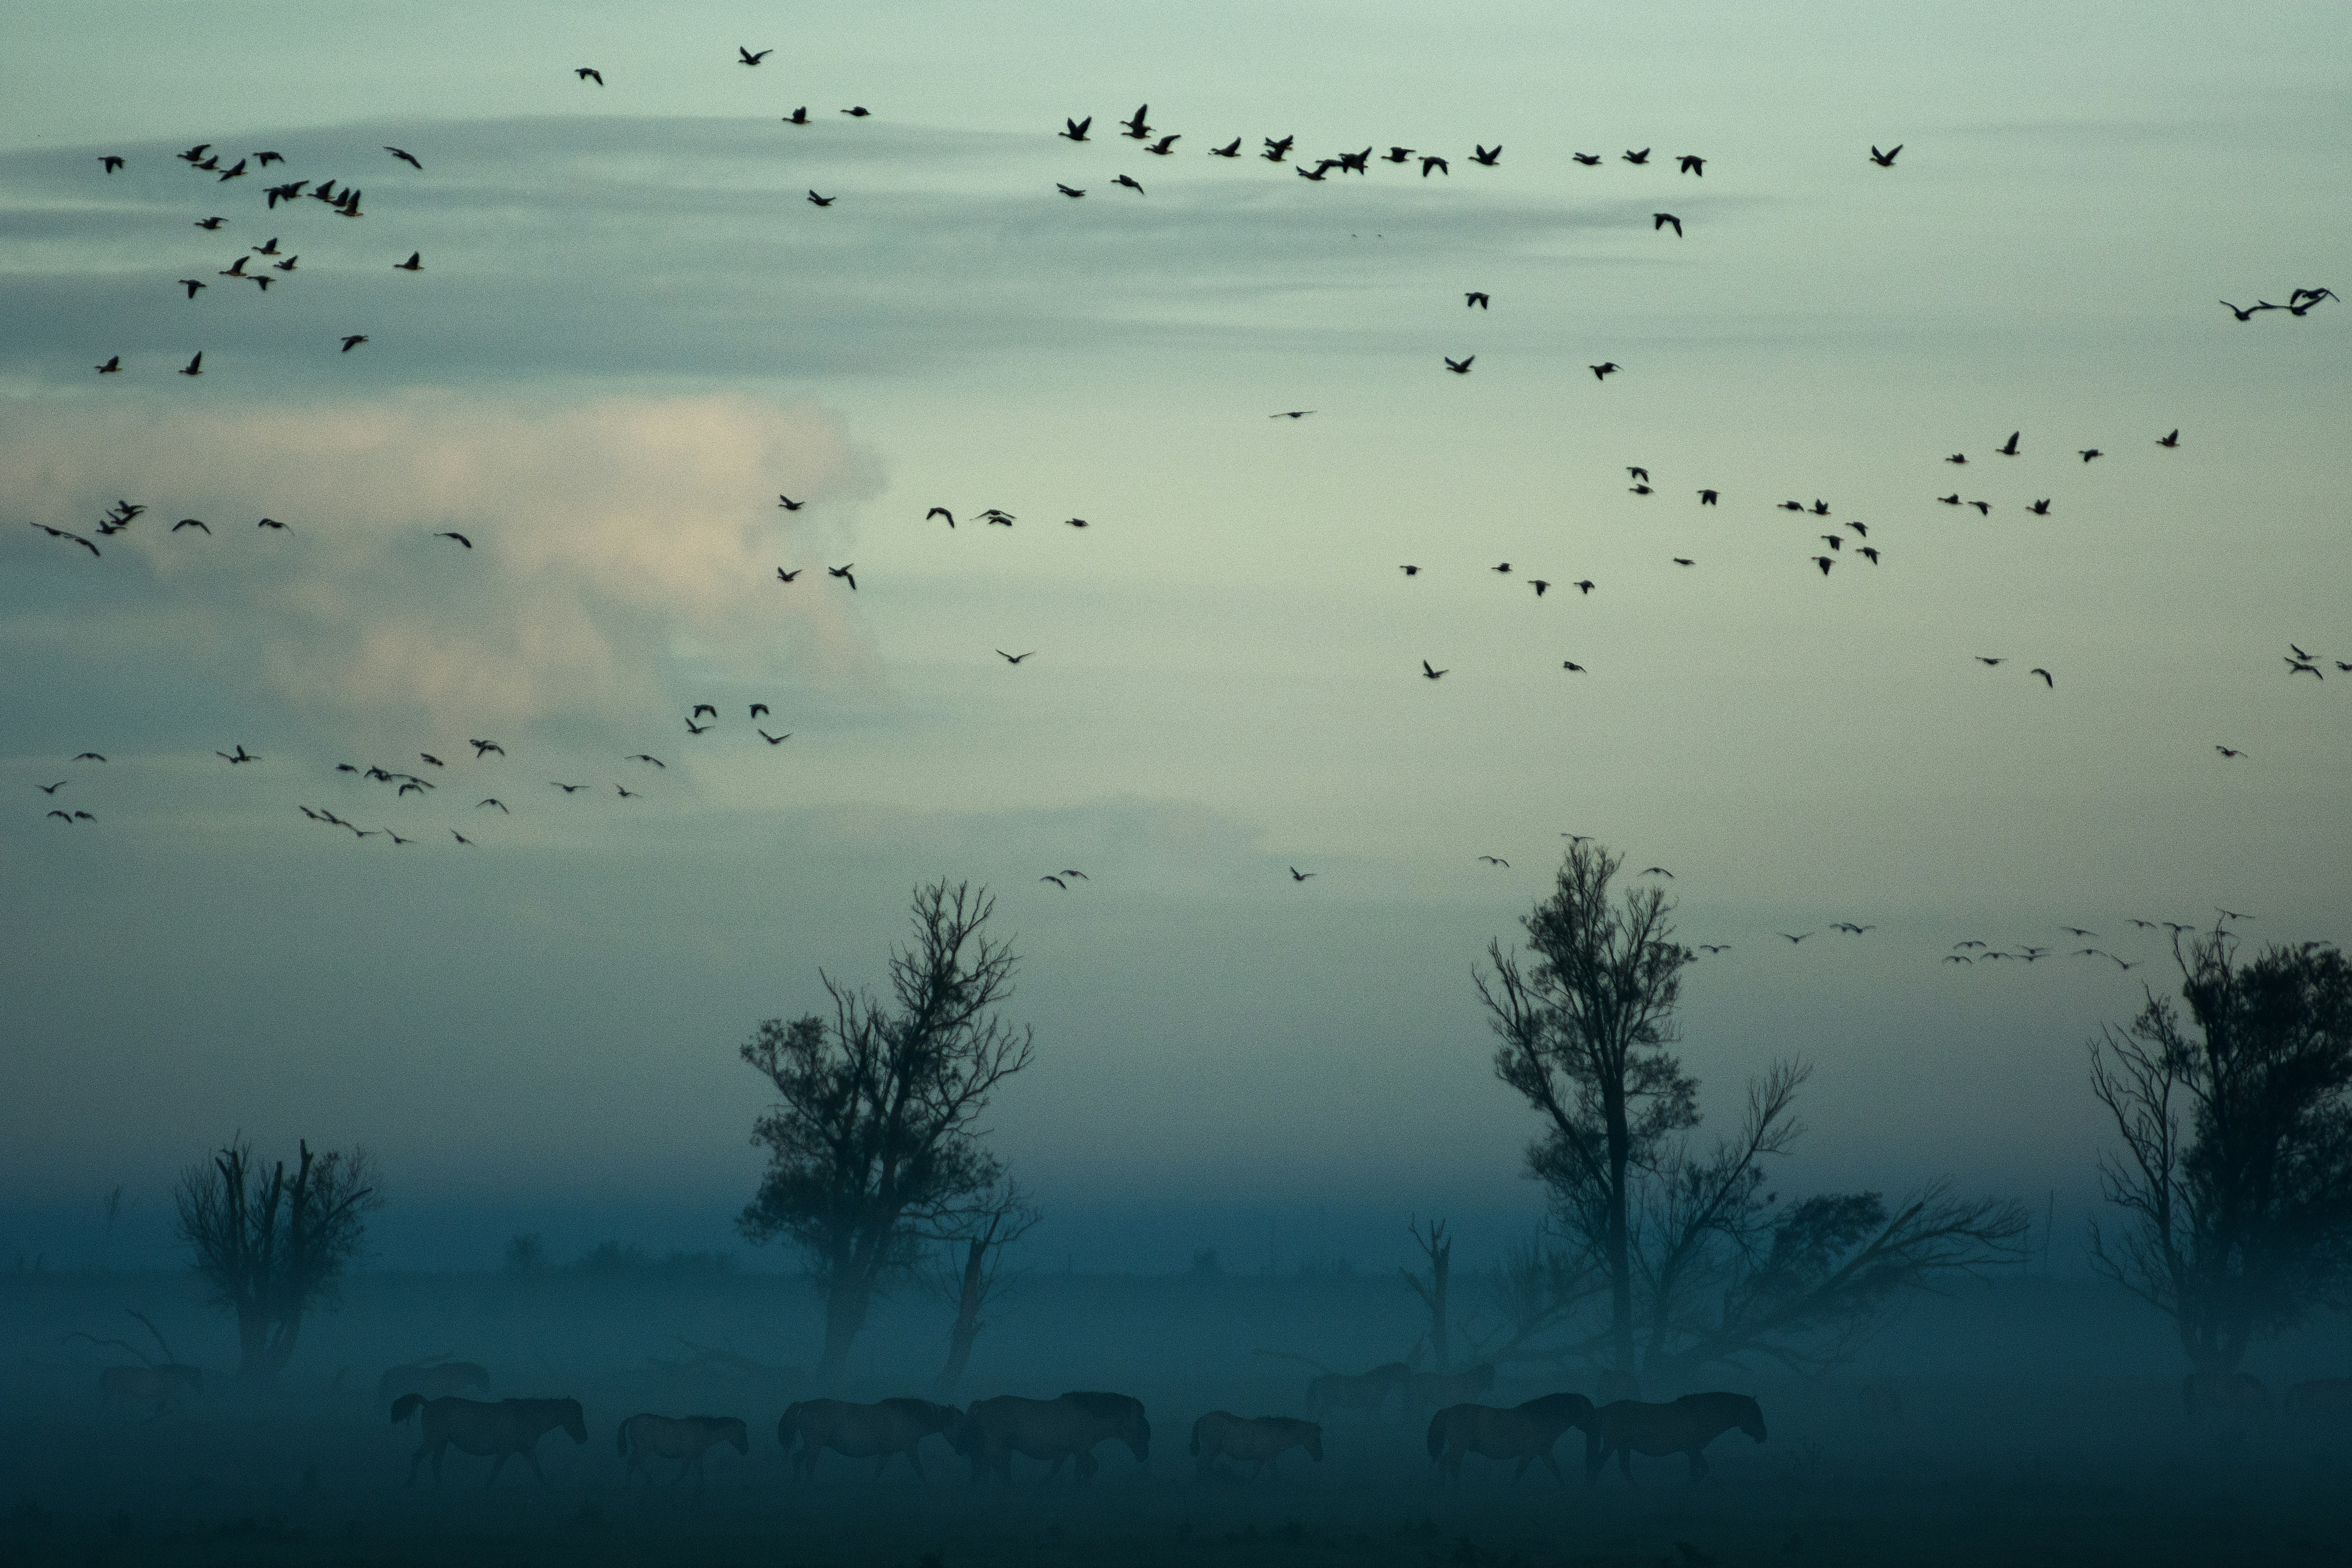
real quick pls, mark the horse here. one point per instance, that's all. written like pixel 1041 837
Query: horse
pixel 2230 1393
pixel 993 1430
pixel 2320 1397
pixel 1428 1390
pixel 1222 1435
pixel 683 1437
pixel 1686 1427
pixel 1355 1394
pixel 432 1379
pixel 1525 1432
pixel 862 1431
pixel 163 1384
pixel 508 1427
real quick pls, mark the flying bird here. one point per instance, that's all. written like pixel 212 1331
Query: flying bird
pixel 1165 146
pixel 2171 440
pixel 1657 871
pixel 492 801
pixel 1015 657
pixel 798 116
pixel 352 340
pixel 1070 191
pixel 857 111
pixel 1136 128
pixel 1958 458
pixel 702 707
pixel 758 709
pixel 2088 453
pixel 484 748
pixel 1571 665
pixel 789 504
pixel 2229 752
pixel 1129 182
pixel 51 789
pixel 1056 881
pixel 1475 297
pixel 641 757
pixel 1496 860
pixel 272 523
pixel 1439 164
pixel 1074 129
pixel 458 536
pixel 189 522
pixel 194 366
pixel 242 755
pixel 745 56
pixel 1410 570
pixel 818 201
pixel 1707 497
pixel 1291 414
pixel 112 366
pixel 1585 587
pixel 1459 366
pixel 1885 160
pixel 1660 220
pixel 1604 370
pixel 415 263
pixel 774 740
pixel 1298 875
pixel 407 158
pixel 192 285
pixel 1231 149
pixel 2008 449
pixel 1487 157
pixel 2044 674
pixel 589 73
pixel 1588 159
pixel 1825 563
pixel 843 573
pixel 87 757
pixel 1786 936
pixel 1428 673
pixel 1640 157
pixel 110 162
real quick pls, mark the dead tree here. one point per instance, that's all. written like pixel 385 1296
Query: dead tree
pixel 976 1244
pixel 274 1246
pixel 1437 1247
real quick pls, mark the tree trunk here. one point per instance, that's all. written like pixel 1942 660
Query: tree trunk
pixel 1441 1265
pixel 844 1317
pixel 969 1297
pixel 1620 1240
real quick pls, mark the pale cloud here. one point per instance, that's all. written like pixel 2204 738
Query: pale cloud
pixel 605 532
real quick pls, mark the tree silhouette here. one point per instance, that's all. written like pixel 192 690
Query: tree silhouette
pixel 872 1139
pixel 2235 1176
pixel 272 1246
pixel 1702 1261
pixel 976 1241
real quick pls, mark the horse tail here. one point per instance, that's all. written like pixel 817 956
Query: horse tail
pixel 404 1406
pixel 1437 1436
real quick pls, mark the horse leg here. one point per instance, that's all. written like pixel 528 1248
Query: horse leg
pixel 1086 1468
pixel 916 1461
pixel 533 1454
pixel 496 1466
pixel 1552 1465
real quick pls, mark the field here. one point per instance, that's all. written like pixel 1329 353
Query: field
pixel 2000 1464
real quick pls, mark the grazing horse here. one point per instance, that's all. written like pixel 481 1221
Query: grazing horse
pixel 2320 1397
pixel 1525 1432
pixel 163 1385
pixel 1222 1435
pixel 684 1439
pixel 1686 1427
pixel 1355 1394
pixel 511 1427
pixel 862 1431
pixel 1429 1390
pixel 2229 1393
pixel 993 1430
pixel 432 1379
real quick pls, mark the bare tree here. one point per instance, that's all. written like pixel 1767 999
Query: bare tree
pixel 1703 1263
pixel 273 1247
pixel 975 1241
pixel 874 1135
pixel 1437 1247
pixel 2235 1176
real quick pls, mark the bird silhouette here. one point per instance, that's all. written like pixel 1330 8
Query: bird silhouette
pixel 1707 497
pixel 1572 666
pixel 242 755
pixel 87 757
pixel 789 504
pixel 2246 313
pixel 774 740
pixel 1586 586
pixel 415 263
pixel 1135 128
pixel 1640 157
pixel 694 728
pixel 1539 585
pixel 746 57
pixel 1074 129
pixel 784 576
pixel 1885 160
pixel 589 73
pixel 1786 936
pixel 1657 871
pixel 1429 674
pixel 1291 414
pixel 1983 659
pixel 1487 157
pixel 2040 507
pixel 798 116
pixel 1475 296
pixel 642 757
pixel 1588 159
pixel 1958 458
pixel 857 111
pixel 112 366
pixel 1440 165
pixel 435 760
pixel 2008 447
pixel 1015 657
pixel 702 707
pixel 1298 875
pixel 1056 881
pixel 1825 563
pixel 2171 440
pixel 1604 370
pixel 271 522
pixel 194 366
pixel 1869 555
pixel 2088 453
pixel 1459 366
pixel 2045 676
pixel 458 536
pixel 1410 570
pixel 940 511
pixel 1276 150
pixel 192 285
pixel 1070 191
pixel 492 800
pixel 1660 220
pixel 1231 149
pixel 1692 165
pixel 1129 182
pixel 354 340
pixel 51 789
pixel 818 201
pixel 1715 947
pixel 484 748
pixel 1496 860
pixel 843 573
pixel 758 709
pixel 1165 147
pixel 110 161
pixel 407 158
pixel 2229 752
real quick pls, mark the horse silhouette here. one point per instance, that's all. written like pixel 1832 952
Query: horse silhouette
pixel 1259 1443
pixel 508 1427
pixel 1686 1427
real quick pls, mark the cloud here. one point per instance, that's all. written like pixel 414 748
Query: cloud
pixel 606 533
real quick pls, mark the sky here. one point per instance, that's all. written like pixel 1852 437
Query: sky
pixel 632 332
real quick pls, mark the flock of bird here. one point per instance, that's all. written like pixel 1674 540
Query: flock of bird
pixel 268 263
